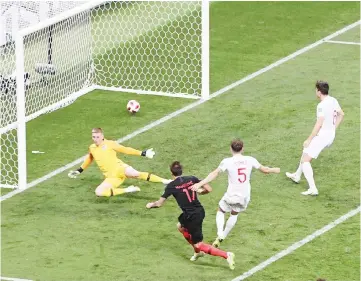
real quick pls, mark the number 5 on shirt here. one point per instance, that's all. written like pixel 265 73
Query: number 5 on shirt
pixel 242 176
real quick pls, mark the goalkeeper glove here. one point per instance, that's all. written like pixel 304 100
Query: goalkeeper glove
pixel 74 174
pixel 149 153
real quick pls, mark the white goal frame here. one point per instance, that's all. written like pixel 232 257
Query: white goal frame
pixel 22 119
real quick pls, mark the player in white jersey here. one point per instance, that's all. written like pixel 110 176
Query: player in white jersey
pixel 329 117
pixel 238 195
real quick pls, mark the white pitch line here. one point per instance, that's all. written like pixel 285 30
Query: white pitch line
pixel 297 245
pixel 13 279
pixel 188 107
pixel 343 42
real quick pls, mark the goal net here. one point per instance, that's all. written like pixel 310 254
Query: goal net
pixel 53 53
pixel 14 17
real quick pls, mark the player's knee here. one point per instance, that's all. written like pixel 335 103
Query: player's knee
pixel 179 226
pixel 130 172
pixel 197 246
pixel 99 191
pixel 233 213
pixel 306 158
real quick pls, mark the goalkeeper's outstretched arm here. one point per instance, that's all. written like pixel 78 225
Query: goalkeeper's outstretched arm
pixel 87 161
pixel 149 153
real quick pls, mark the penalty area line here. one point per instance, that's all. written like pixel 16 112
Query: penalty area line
pixel 190 106
pixel 297 245
pixel 343 42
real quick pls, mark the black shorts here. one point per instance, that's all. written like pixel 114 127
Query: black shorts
pixel 193 223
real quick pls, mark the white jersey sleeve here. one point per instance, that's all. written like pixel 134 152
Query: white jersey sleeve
pixel 255 163
pixel 320 111
pixel 337 106
pixel 223 165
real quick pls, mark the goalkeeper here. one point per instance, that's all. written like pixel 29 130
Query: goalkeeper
pixel 115 171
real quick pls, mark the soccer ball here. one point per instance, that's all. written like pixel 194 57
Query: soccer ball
pixel 133 106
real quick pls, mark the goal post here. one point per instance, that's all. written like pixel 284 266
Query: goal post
pixel 205 50
pixel 20 112
pixel 156 47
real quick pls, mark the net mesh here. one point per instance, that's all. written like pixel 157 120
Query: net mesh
pixel 145 46
pixel 40 90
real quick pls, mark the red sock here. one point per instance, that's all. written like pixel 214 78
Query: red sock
pixel 188 237
pixel 208 249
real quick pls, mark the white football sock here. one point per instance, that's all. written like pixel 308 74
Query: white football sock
pixel 220 223
pixel 308 172
pixel 231 222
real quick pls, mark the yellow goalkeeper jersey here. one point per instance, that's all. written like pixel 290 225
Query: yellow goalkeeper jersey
pixel 105 155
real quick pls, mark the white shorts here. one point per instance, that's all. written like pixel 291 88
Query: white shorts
pixel 233 203
pixel 318 144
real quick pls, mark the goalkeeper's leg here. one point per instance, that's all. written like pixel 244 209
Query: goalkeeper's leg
pixel 110 187
pixel 130 172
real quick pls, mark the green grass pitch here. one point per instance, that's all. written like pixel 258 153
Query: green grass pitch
pixel 59 230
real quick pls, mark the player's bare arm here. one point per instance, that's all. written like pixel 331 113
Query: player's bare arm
pixel 269 170
pixel 206 188
pixel 315 131
pixel 156 204
pixel 339 118
pixel 212 176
